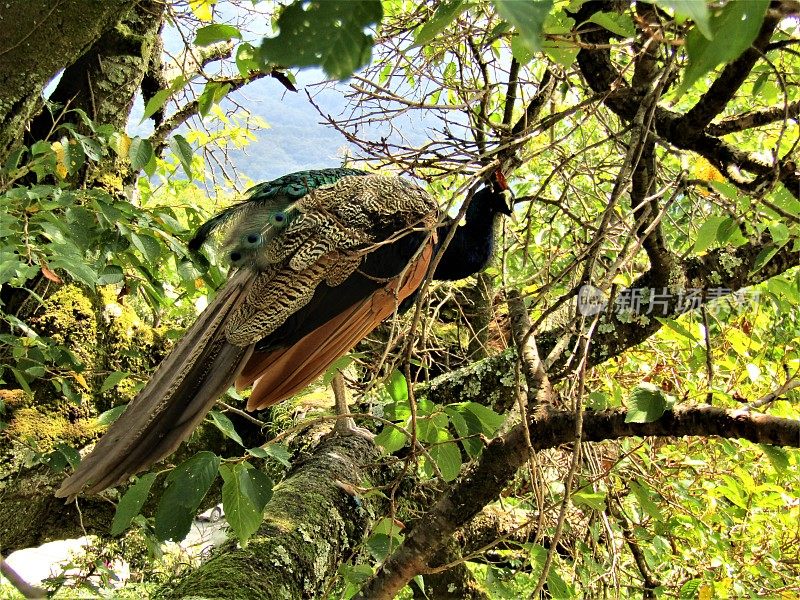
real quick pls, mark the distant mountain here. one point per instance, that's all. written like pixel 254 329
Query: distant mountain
pixel 296 139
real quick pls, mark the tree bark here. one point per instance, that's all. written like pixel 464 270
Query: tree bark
pixel 314 522
pixel 104 80
pixel 66 29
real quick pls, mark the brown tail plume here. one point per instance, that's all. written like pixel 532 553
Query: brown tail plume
pixel 181 392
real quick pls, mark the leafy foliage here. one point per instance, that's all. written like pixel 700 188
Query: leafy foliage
pixel 701 518
pixel 329 34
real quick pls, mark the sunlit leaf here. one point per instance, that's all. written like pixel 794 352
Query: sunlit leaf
pixel 447 12
pixel 645 404
pixel 113 380
pixel 328 34
pixel 218 32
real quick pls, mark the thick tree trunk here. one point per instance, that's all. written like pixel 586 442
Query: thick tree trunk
pixel 38 38
pixel 103 81
pixel 314 522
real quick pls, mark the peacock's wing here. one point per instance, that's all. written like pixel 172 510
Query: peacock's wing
pixel 296 354
pixel 320 282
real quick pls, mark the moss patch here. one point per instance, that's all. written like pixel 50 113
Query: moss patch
pixel 45 429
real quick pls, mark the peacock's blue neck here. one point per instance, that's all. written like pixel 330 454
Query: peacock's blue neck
pixel 473 243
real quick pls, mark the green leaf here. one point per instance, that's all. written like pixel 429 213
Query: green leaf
pixel 466 425
pixel 779 232
pixel 187 485
pixel 328 34
pixel 245 492
pixel 131 503
pixel 446 13
pixel 258 486
pixel 110 275
pixel 148 246
pixel 183 150
pixel 60 457
pixel 777 456
pixel 391 439
pixel 690 589
pixel 643 492
pixel 490 420
pixel 620 24
pixel 247 59
pixel 275 451
pixel 696 10
pixel 379 545
pixel 726 229
pixel 74 155
pixel 111 415
pixel 645 404
pixel 527 17
pixel 763 257
pixel 212 93
pixel 21 379
pixel 140 153
pixel 557 587
pixel 594 500
pixel 597 401
pixel 677 328
pixel 113 380
pixel 71 454
pixel 447 457
pixel 707 234
pixel 396 386
pixel 218 32
pixel 225 425
pixel 156 103
pixel 733 28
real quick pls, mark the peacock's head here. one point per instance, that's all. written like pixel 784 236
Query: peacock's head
pixel 502 198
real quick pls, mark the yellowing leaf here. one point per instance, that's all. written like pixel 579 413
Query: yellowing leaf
pixel 702 169
pixel 80 379
pixel 202 9
pixel 705 592
pixel 120 143
pixel 622 279
pixel 61 159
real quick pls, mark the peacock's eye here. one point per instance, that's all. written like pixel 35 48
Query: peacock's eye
pixel 235 256
pixel 278 219
pixel 251 239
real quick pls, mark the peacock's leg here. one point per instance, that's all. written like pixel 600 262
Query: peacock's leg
pixel 345 425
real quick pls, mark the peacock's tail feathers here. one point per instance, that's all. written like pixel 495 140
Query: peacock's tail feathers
pixel 178 396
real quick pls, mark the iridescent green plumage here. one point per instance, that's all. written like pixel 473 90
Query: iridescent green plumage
pixel 275 195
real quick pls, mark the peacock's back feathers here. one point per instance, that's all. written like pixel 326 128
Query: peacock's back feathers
pixel 275 195
pixel 325 238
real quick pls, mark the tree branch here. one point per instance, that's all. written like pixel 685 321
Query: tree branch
pixel 549 429
pixel 314 522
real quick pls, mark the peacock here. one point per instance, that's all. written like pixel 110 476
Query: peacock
pixel 319 259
